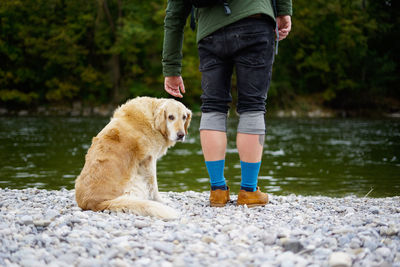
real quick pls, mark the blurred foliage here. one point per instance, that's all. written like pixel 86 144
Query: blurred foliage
pixel 345 52
pixel 57 51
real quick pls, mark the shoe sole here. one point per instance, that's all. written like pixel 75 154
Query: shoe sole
pixel 252 205
pixel 217 205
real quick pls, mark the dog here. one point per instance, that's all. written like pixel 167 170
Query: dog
pixel 119 173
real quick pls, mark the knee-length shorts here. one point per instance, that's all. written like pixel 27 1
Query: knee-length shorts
pixel 247 45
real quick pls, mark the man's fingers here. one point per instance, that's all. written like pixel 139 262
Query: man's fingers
pixel 173 92
pixel 182 86
pixel 282 35
pixel 287 28
pixel 178 94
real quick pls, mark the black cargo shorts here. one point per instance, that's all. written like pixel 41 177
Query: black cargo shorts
pixel 247 45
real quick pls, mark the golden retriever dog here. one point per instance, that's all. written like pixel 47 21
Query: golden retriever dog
pixel 120 168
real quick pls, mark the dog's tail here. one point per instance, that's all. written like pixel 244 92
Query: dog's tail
pixel 139 207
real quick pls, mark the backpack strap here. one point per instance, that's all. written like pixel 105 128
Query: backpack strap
pixel 227 9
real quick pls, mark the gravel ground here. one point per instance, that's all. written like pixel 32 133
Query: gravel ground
pixel 46 228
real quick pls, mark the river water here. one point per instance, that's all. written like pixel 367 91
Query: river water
pixel 333 157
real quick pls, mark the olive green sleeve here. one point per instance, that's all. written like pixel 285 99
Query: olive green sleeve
pixel 284 7
pixel 175 19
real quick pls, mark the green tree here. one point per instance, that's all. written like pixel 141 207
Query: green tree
pixel 338 50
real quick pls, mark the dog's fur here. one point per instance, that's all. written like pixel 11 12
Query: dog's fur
pixel 120 169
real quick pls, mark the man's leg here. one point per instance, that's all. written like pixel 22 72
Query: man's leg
pixel 213 142
pixel 250 142
pixel 253 71
pixel 216 84
pixel 250 147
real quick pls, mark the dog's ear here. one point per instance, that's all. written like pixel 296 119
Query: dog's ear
pixel 160 120
pixel 188 119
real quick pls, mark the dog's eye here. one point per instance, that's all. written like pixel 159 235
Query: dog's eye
pixel 171 117
pixel 183 117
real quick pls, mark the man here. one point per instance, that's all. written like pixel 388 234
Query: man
pixel 240 34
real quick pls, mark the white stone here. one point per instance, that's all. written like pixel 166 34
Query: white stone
pixel 340 259
pixel 26 219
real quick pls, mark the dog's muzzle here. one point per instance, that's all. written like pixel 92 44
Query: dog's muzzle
pixel 180 136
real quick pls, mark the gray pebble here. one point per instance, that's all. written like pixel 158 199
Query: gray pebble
pixel 83 262
pixel 140 224
pixel 269 238
pixel 370 243
pixel 389 231
pixel 384 252
pixel 41 223
pixel 355 243
pixel 68 258
pixel 118 263
pixel 374 210
pixel 164 247
pixel 51 214
pixel 322 253
pixel 343 240
pixel 31 263
pixel 292 245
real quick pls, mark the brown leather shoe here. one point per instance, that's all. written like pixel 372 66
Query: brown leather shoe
pixel 252 199
pixel 219 198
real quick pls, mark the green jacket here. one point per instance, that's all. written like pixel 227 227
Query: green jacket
pixel 209 19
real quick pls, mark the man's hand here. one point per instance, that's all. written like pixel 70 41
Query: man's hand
pixel 174 85
pixel 284 26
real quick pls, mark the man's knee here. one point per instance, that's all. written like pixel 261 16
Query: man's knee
pixel 252 122
pixel 213 121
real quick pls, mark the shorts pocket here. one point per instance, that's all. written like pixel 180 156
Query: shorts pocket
pixel 206 53
pixel 256 49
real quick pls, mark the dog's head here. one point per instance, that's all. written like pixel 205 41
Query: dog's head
pixel 172 119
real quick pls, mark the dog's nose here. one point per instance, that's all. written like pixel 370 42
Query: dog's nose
pixel 180 135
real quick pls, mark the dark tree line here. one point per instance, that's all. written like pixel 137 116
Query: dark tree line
pixel 343 53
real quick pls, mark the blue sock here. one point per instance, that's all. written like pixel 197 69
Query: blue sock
pixel 249 175
pixel 216 171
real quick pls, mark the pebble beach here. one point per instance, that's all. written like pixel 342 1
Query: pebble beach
pixel 46 228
